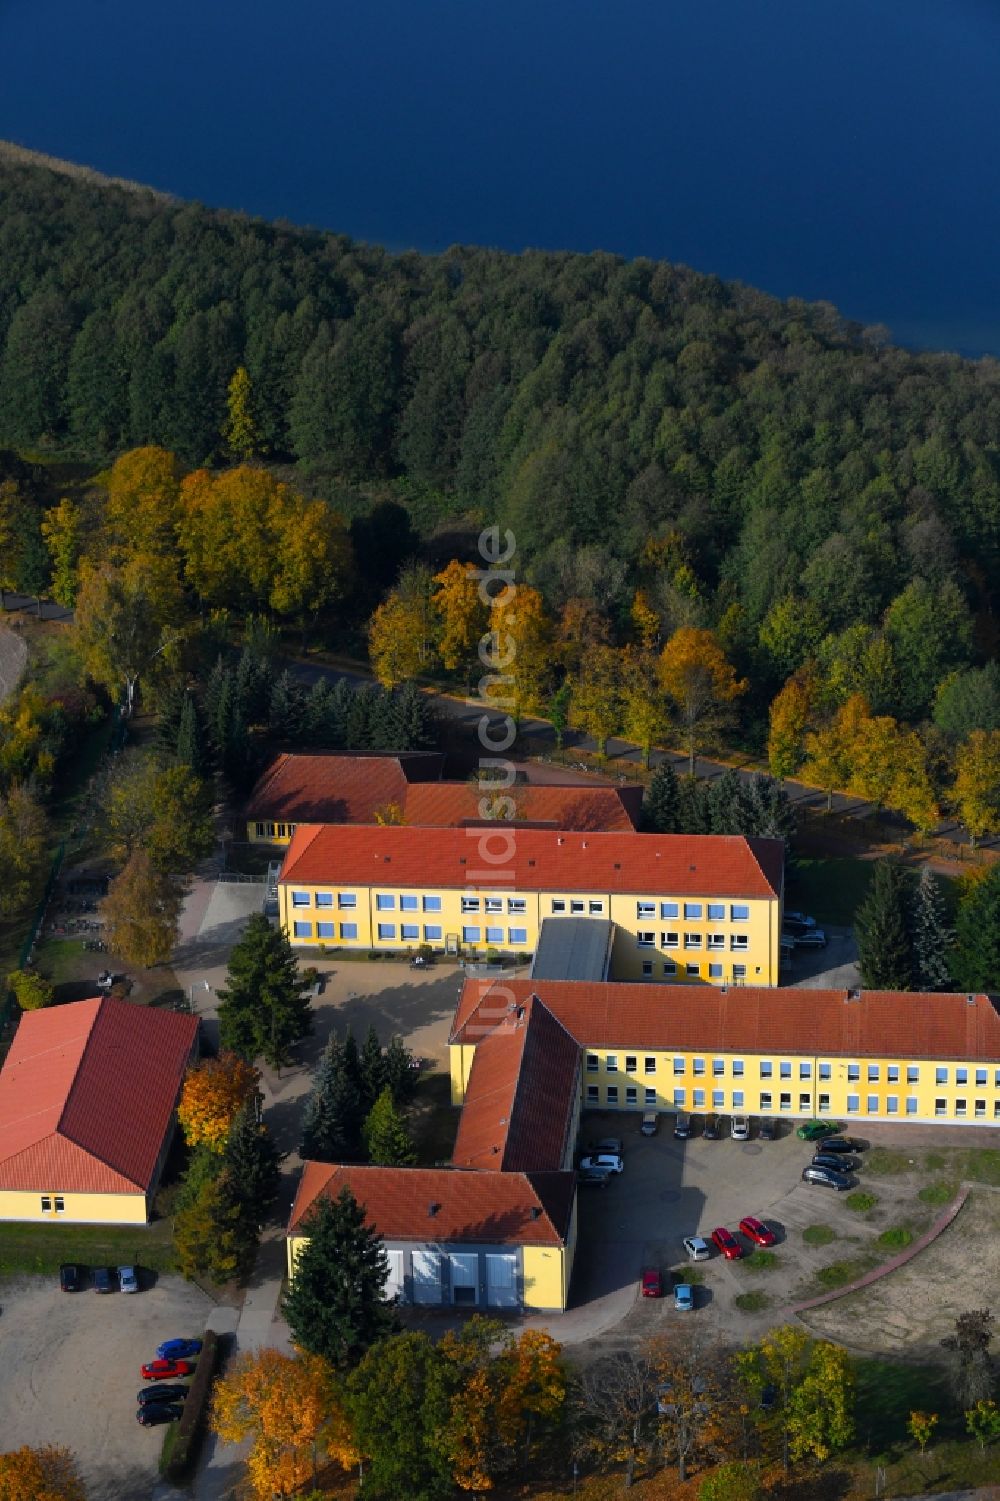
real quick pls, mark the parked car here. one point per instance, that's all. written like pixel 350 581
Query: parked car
pixel 606 1162
pixel 798 920
pixel 837 1160
pixel 161 1393
pixel 127 1279
pixel 612 1144
pixel 813 1130
pixel 651 1282
pixel 786 945
pixel 811 938
pixel 682 1126
pixel 767 1130
pixel 69 1277
pixel 683 1297
pixel 178 1349
pixel 593 1178
pixel 712 1128
pixel 826 1177
pixel 102 1279
pixel 696 1248
pixel 165 1370
pixel 757 1231
pixel 840 1144
pixel 740 1128
pixel 650 1124
pixel 726 1242
pixel 158 1412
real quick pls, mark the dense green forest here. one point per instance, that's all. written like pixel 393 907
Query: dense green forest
pixel 762 469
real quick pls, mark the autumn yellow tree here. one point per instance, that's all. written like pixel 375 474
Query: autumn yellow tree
pixel 522 652
pixel 581 628
pixel 829 750
pixel 700 683
pixel 123 627
pixel 976 789
pixel 462 614
pixel 215 1091
pixel 165 811
pixel 31 991
pixel 396 641
pixel 242 436
pixel 644 717
pixel 645 621
pixel 45 1474
pixel 62 532
pixel 912 792
pixel 235 532
pixel 24 841
pixel 790 714
pixel 289 1406
pixel 143 490
pixel 141 912
pixel 595 705
pixel 313 558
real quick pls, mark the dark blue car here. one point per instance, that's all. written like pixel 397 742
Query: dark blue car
pixel 178 1349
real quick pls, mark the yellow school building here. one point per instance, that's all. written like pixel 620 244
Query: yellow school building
pixel 702 910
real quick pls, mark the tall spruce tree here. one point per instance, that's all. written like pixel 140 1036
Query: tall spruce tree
pixel 372 1066
pixel 932 938
pixel 262 1010
pixel 885 951
pixel 975 964
pixel 331 1122
pixel 190 749
pixel 400 1073
pixel 336 1305
pixel 386 1138
pixel 248 1185
pixel 661 805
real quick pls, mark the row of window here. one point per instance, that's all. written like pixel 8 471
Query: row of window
pixel 786 1069
pixel 716 1099
pixel 275 830
pixel 715 911
pixel 715 971
pixel 57 1199
pixel 408 932
pixel 715 942
pixel 576 906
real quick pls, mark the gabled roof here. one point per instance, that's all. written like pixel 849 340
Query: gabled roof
pixel 747 1019
pixel 521 1094
pixel 573 948
pixel 444 1205
pixel 323 787
pixel 448 804
pixel 539 860
pixel 87 1094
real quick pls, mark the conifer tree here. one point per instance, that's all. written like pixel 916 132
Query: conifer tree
pixel 932 938
pixel 336 1305
pixel 400 1074
pixel 263 1011
pixel 251 1162
pixel 662 801
pixel 286 710
pixel 334 1111
pixel 386 1138
pixel 975 964
pixel 241 435
pixel 190 749
pixel 885 951
pixel 372 1067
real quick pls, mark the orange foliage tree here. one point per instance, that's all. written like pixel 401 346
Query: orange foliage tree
pixel 700 682
pixel 523 651
pixel 215 1091
pixel 46 1474
pixel 289 1405
pixel 790 713
pixel 462 613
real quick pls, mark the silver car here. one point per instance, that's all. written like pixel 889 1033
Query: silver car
pixel 696 1248
pixel 602 1162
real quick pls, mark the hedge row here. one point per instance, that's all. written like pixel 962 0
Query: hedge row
pixel 182 1439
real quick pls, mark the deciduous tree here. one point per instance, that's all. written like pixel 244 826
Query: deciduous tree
pixel 700 683
pixel 790 716
pixel 336 1305
pixel 462 615
pixel 644 717
pixel 689 1398
pixel 48 1473
pixel 31 991
pixel 983 1422
pixel 976 791
pixel 595 706
pixel 920 1426
pixel 738 1480
pixel 617 1401
pixel 62 531
pixel 969 1357
pixel 141 913
pixel 397 642
pixel 263 1010
pixel 121 629
pixel 214 1092
pixel 522 652
pixel 399 1399
pixel 143 491
pixel 24 843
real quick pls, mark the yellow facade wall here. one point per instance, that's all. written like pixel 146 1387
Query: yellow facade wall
pixel 738 942
pixel 78 1208
pixel 267 831
pixel 545 1279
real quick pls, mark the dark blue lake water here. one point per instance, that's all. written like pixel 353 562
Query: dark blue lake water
pixel 845 149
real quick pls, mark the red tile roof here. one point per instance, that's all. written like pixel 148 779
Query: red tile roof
pixel 327 788
pixel 87 1094
pixel 502 1208
pixel 521 1094
pixel 748 1019
pixel 540 860
pixel 348 789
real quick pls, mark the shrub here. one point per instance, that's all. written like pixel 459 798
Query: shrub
pixel 896 1238
pixel 182 1439
pixel 840 1272
pixel 753 1302
pixel 861 1202
pixel 818 1235
pixel 761 1261
pixel 937 1193
pixel 933 1162
pixel 693 1276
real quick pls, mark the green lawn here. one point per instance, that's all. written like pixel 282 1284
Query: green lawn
pixel 888 1392
pixel 829 890
pixel 41 1248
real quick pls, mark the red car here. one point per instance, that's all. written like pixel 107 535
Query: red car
pixel 758 1233
pixel 726 1242
pixel 652 1283
pixel 165 1370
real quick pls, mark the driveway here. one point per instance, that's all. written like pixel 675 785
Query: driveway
pixel 832 968
pixel 70 1372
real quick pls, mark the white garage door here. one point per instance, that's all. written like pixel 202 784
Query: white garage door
pixel 501 1280
pixel 394 1281
pixel 426 1277
pixel 464 1277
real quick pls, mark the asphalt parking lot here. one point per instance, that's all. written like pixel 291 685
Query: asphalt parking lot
pixel 70 1371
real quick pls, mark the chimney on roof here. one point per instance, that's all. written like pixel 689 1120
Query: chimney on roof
pixel 561 840
pixel 970 1000
pixel 854 995
pixel 432 1209
pixel 585 844
pixel 536 1213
